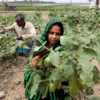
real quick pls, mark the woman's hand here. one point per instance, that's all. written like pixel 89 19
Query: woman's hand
pixel 34 61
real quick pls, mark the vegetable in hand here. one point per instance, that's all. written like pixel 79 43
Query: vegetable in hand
pixel 47 61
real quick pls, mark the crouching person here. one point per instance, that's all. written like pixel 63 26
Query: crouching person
pixel 25 30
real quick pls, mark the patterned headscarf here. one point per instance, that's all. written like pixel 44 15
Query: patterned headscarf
pixel 44 36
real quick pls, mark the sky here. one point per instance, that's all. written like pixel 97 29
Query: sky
pixel 66 1
pixel 60 1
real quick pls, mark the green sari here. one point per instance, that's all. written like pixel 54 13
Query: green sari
pixel 58 94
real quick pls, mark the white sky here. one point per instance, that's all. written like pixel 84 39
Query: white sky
pixel 59 1
pixel 65 1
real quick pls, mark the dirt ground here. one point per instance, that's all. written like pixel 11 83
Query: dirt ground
pixel 12 74
pixel 12 78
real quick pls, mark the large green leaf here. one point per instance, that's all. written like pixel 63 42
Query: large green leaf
pixel 43 87
pixel 66 72
pixel 19 43
pixel 54 58
pixel 96 75
pixel 2 36
pixel 93 98
pixel 35 84
pixel 33 89
pixel 84 40
pixel 37 78
pixel 74 86
pixel 13 50
pixel 86 68
pixel 55 76
pixel 66 41
pixel 97 50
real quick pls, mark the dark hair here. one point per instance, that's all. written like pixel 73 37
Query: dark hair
pixel 19 17
pixel 59 24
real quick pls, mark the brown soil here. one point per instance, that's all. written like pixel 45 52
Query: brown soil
pixel 12 78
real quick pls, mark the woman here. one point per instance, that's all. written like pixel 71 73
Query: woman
pixel 51 36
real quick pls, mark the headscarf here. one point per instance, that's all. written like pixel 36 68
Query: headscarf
pixel 45 35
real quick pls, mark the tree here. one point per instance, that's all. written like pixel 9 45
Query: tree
pixel 97 4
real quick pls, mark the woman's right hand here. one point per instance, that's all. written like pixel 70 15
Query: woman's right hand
pixel 34 62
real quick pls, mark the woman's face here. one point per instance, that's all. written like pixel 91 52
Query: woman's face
pixel 54 35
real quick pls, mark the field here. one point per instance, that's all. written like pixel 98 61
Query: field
pixel 32 7
pixel 82 29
